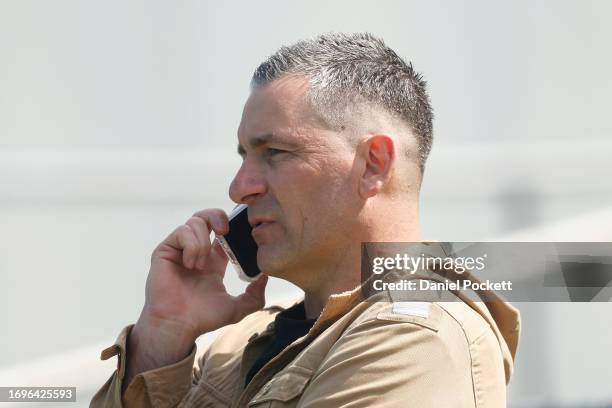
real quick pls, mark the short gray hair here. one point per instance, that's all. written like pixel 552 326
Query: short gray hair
pixel 345 69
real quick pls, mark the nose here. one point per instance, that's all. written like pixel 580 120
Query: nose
pixel 248 183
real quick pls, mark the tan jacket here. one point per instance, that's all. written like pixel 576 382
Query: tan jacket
pixel 358 354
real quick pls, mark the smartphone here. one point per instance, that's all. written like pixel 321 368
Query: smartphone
pixel 239 245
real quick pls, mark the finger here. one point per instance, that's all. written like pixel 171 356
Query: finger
pixel 216 220
pixel 253 298
pixel 202 233
pixel 218 259
pixel 184 239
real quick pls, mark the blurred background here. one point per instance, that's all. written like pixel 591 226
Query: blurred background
pixel 118 121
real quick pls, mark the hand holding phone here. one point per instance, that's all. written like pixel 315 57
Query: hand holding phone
pixel 185 288
pixel 185 296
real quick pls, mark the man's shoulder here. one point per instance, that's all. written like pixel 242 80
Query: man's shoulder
pixel 453 326
pixel 419 346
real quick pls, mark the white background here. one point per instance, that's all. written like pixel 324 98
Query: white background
pixel 118 121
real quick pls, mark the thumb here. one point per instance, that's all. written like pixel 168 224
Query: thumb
pixel 253 298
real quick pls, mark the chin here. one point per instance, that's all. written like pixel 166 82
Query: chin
pixel 272 261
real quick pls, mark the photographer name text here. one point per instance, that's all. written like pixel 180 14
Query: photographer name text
pixel 465 284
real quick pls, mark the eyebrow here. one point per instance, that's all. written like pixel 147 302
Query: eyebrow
pixel 259 141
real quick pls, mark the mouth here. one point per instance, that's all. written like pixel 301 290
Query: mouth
pixel 260 230
pixel 262 224
pixel 256 222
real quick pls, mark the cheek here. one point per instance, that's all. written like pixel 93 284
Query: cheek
pixel 310 194
pixel 329 206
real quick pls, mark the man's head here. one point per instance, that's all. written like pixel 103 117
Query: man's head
pixel 351 74
pixel 334 138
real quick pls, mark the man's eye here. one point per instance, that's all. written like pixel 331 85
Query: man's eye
pixel 273 152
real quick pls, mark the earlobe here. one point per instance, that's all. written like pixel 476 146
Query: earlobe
pixel 369 187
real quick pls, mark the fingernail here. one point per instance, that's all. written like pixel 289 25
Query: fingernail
pixel 220 227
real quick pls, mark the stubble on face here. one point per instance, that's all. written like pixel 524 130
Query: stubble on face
pixel 308 188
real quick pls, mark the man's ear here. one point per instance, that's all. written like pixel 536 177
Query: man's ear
pixel 379 154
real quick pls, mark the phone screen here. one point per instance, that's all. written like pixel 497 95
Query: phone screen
pixel 242 245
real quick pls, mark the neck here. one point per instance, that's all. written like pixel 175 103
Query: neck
pixel 343 273
pixel 341 276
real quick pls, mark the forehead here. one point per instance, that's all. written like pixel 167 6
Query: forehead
pixel 280 107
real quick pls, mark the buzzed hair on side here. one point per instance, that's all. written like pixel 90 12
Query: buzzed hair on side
pixel 346 69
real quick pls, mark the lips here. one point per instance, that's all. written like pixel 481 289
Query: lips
pixel 259 221
pixel 262 225
pixel 262 232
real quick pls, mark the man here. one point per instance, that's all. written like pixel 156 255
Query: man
pixel 334 138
